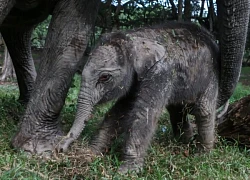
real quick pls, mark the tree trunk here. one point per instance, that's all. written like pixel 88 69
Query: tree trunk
pixel 174 9
pixel 116 16
pixel 210 15
pixel 8 71
pixel 108 19
pixel 187 10
pixel 202 8
pixel 179 10
pixel 235 124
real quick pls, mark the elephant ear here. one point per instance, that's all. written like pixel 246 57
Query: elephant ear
pixel 146 53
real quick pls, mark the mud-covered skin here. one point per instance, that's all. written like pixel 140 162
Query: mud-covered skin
pixel 173 66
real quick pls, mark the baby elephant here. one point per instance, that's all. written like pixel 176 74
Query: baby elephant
pixel 175 65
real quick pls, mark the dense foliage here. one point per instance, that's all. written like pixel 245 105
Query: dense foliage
pixel 39 33
pixel 128 14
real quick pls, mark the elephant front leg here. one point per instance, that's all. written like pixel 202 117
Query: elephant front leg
pixel 111 127
pixel 140 125
pixel 19 46
pixel 152 97
pixel 65 43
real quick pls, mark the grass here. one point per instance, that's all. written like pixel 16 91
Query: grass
pixel 245 76
pixel 245 71
pixel 166 159
pixel 240 91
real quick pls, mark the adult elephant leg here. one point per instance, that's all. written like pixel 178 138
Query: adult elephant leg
pixel 66 41
pixel 182 128
pixel 19 46
pixel 5 7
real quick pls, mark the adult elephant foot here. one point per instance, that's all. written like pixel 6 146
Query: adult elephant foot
pixel 40 129
pixel 37 144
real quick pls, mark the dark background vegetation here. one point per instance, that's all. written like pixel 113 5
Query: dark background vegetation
pixel 127 14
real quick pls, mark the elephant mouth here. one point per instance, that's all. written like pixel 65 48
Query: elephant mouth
pixel 104 100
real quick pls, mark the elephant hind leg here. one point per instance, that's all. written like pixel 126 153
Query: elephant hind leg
pixel 182 129
pixel 205 112
pixel 19 46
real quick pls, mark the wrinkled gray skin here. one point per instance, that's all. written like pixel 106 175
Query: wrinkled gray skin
pixel 44 93
pixel 176 66
pixel 65 44
pixel 17 21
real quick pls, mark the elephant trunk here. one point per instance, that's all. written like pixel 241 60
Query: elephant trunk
pixel 233 17
pixel 84 109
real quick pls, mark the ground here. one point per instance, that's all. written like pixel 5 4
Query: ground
pixel 166 159
pixel 245 76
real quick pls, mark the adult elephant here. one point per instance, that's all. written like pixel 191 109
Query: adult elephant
pixel 66 41
pixel 17 21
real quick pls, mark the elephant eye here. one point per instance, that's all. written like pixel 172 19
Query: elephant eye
pixel 104 78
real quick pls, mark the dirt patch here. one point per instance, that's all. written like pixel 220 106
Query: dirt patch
pixel 75 163
pixel 3 83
